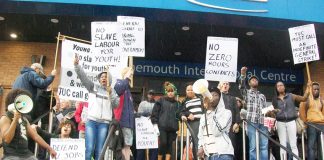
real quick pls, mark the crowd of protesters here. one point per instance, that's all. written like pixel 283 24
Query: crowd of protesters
pixel 216 122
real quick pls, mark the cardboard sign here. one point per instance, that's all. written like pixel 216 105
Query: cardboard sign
pixel 70 85
pixel 133 35
pixel 145 136
pixel 106 45
pixel 303 44
pixel 221 59
pixel 68 149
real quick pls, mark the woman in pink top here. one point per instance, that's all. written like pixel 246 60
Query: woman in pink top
pixel 81 114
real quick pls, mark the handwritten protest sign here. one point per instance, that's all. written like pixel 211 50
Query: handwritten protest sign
pixel 70 85
pixel 106 45
pixel 145 135
pixel 221 59
pixel 133 35
pixel 68 149
pixel 303 43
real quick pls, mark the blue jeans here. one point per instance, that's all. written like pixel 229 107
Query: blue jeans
pixel 263 141
pixel 221 157
pixel 153 154
pixel 95 136
pixel 313 137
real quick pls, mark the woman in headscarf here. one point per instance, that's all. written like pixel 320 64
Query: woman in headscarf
pixel 164 115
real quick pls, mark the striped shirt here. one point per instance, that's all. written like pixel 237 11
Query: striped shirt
pixel 194 106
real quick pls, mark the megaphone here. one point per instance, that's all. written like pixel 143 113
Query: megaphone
pixel 22 103
pixel 201 87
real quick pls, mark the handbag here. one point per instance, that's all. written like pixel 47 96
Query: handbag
pixel 300 126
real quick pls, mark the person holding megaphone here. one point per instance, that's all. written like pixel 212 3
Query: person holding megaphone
pixel 213 140
pixel 15 128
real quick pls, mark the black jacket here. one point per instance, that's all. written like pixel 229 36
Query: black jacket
pixel 230 104
pixel 164 114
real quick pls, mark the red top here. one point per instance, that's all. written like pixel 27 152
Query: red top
pixel 78 113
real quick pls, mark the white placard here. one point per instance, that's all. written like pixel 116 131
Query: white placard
pixel 303 43
pixel 133 35
pixel 106 44
pixel 221 59
pixel 145 135
pixel 70 85
pixel 68 149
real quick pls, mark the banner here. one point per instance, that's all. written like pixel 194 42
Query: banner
pixel 303 44
pixel 145 136
pixel 133 35
pixel 68 149
pixel 221 59
pixel 106 45
pixel 197 70
pixel 70 85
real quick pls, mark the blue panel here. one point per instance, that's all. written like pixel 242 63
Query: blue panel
pixel 196 71
pixel 284 9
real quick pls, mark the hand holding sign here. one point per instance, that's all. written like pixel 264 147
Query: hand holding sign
pixel 52 153
pixel 156 129
pixel 221 59
pixel 76 59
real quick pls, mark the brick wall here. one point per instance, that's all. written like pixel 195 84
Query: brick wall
pixel 14 55
pixel 317 74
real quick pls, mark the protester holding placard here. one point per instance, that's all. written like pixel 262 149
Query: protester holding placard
pixel 255 102
pixel 145 109
pixel 100 110
pixel 15 131
pixel 312 111
pixel 230 104
pixel 286 117
pixel 126 118
pixel 164 115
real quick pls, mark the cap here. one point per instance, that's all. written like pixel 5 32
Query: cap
pixel 254 76
pixel 151 91
pixel 214 89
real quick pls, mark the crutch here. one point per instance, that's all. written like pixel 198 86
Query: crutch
pixel 187 143
pixel 303 143
pixel 181 140
pixel 244 140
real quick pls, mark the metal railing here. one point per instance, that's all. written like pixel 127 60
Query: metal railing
pixel 194 142
pixel 257 130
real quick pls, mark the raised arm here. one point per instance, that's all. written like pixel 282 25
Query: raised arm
pixel 39 82
pixel 8 127
pixel 81 74
pixel 303 98
pixel 242 82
